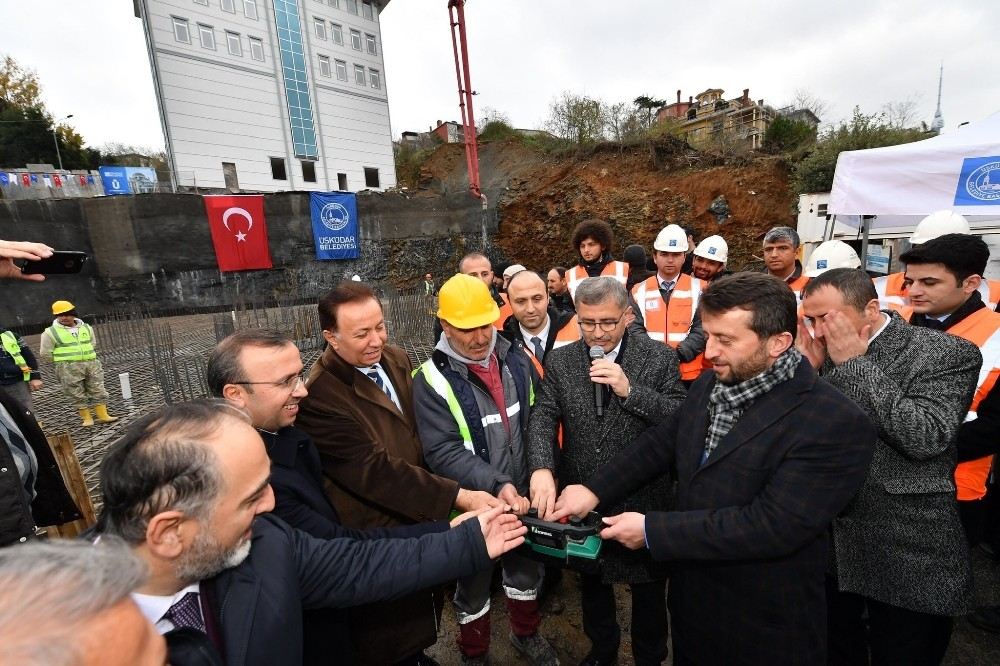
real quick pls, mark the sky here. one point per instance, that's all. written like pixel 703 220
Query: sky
pixel 92 62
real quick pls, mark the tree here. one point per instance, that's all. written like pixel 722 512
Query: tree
pixel 124 154
pixel 649 105
pixel 624 121
pixel 804 99
pixel 785 135
pixel 577 117
pixel 18 86
pixel 28 133
pixel 815 172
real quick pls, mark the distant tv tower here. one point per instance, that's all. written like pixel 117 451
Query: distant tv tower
pixel 938 123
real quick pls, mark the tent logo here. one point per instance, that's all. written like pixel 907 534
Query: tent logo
pixel 979 182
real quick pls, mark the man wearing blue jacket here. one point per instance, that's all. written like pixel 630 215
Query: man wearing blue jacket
pixel 188 487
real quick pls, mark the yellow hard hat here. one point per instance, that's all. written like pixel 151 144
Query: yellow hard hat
pixel 465 302
pixel 62 307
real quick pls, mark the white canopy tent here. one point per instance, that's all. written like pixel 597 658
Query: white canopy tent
pixel 959 171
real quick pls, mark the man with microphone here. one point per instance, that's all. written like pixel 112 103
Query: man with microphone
pixel 605 390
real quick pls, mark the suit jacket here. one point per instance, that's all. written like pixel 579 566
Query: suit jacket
pixel 900 541
pixel 260 602
pixel 52 504
pixel 299 500
pixel 749 539
pixel 374 475
pixel 566 396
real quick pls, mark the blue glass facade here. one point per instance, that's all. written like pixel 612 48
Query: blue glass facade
pixel 293 66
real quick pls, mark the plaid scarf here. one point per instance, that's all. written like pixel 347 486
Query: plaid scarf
pixel 728 402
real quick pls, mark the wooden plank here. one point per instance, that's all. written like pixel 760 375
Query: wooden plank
pixel 69 465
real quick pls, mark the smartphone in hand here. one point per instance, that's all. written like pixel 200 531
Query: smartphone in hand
pixel 62 262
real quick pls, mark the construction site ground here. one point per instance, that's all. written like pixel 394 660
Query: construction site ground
pixel 165 359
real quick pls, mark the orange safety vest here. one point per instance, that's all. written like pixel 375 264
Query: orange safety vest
pixel 505 311
pixel 570 332
pixel 675 324
pixel 616 269
pixel 981 328
pixel 797 285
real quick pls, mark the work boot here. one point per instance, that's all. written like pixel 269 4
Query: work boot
pixel 534 648
pixel 102 414
pixel 474 640
pixel 86 417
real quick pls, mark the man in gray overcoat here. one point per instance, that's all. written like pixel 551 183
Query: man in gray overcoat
pixel 901 555
pixel 641 383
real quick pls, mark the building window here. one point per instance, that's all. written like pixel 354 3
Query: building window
pixel 278 168
pixel 182 33
pixel 366 10
pixel 229 6
pixel 359 74
pixel 234 44
pixel 375 78
pixel 309 172
pixel 207 36
pixel 256 48
pixel 337 33
pixel 370 42
pixel 324 65
pixel 352 6
pixel 355 40
pixel 250 9
pixel 320 26
pixel 341 69
pixel 371 177
pixel 342 182
pixel 334 3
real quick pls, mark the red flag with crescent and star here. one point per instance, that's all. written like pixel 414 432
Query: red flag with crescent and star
pixel 238 232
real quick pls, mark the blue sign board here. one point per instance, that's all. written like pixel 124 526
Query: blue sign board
pixel 335 224
pixel 128 180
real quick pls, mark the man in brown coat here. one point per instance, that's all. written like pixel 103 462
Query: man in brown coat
pixel 359 413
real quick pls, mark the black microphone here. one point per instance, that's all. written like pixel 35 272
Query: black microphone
pixel 597 352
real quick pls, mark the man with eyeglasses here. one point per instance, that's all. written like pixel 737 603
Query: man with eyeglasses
pixel 359 413
pixel 472 400
pixel 641 385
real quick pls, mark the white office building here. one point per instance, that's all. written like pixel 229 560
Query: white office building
pixel 270 95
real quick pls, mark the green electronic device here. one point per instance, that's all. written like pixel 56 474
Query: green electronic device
pixel 574 540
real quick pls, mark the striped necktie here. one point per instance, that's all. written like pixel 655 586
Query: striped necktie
pixel 539 351
pixel 374 375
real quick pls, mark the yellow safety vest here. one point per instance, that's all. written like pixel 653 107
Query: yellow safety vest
pixel 70 348
pixel 10 346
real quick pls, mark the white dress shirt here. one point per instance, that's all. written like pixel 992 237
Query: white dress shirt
pixel 154 606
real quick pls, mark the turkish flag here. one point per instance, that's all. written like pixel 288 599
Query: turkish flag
pixel 56 180
pixel 26 179
pixel 238 232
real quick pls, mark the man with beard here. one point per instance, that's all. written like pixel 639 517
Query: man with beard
pixel 188 488
pixel 536 326
pixel 592 240
pixel 756 491
pixel 708 262
pixel 558 291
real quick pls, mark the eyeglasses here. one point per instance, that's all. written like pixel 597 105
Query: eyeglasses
pixel 606 326
pixel 289 384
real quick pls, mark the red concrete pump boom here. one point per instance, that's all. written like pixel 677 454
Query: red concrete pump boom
pixel 456 13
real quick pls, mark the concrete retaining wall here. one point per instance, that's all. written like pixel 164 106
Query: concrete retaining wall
pixel 155 252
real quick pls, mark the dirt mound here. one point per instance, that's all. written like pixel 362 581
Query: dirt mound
pixel 639 189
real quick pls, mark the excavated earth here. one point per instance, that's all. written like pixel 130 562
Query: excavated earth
pixel 539 197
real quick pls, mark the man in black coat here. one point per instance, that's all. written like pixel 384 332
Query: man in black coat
pixel 235 369
pixel 32 491
pixel 189 489
pixel 765 454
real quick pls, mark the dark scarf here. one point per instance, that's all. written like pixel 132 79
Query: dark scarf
pixel 595 267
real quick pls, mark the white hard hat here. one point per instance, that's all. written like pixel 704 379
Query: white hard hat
pixel 938 224
pixel 714 248
pixel 672 238
pixel 831 254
